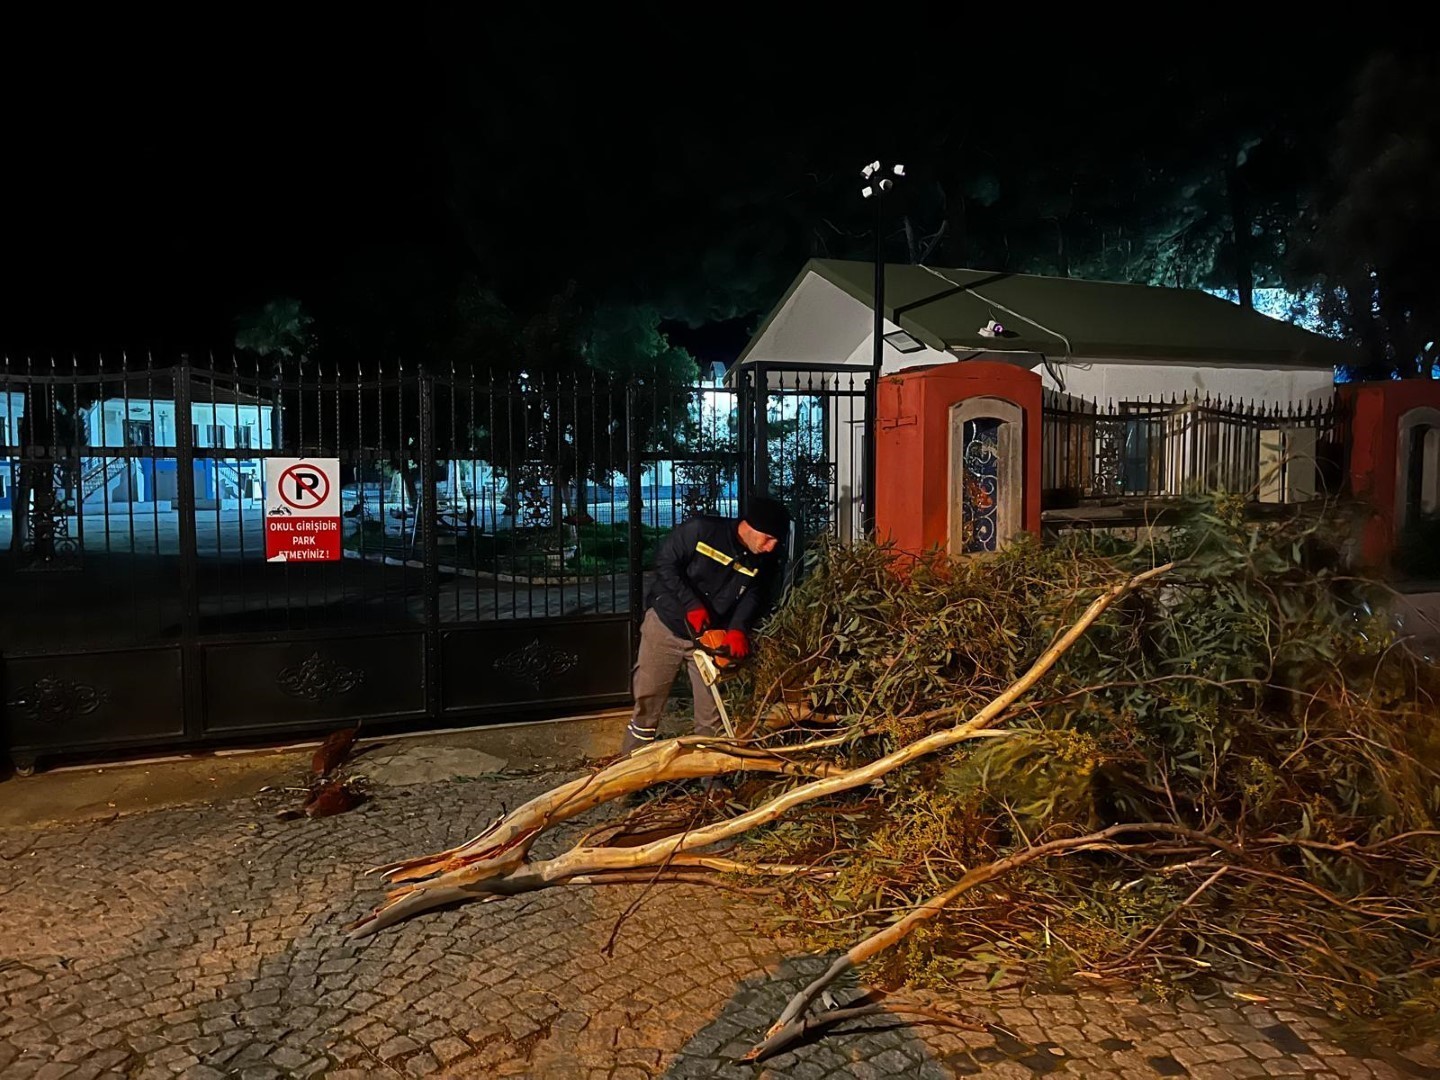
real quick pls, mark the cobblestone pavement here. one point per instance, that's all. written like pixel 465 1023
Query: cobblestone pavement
pixel 207 941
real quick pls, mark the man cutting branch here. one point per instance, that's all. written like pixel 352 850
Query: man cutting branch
pixel 711 573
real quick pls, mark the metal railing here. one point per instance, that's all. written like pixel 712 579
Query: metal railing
pixel 804 430
pixel 497 530
pixel 545 494
pixel 1158 449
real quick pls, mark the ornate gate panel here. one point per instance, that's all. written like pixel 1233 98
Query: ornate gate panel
pixel 534 664
pixel 71 702
pixel 495 535
pixel 307 683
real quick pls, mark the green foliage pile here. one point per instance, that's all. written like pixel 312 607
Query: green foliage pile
pixel 1251 694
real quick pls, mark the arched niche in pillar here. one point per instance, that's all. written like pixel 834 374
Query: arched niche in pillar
pixel 987 473
pixel 1417 466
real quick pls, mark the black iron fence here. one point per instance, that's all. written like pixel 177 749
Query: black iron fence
pixel 1156 449
pixel 497 530
pixel 804 430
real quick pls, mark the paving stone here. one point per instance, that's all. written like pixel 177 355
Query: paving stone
pixel 287 1057
pixel 399 1046
pixel 251 976
pixel 1283 1067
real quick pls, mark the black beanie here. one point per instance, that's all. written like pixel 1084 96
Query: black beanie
pixel 767 516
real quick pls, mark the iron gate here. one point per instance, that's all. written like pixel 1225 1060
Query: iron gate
pixel 806 432
pixel 497 530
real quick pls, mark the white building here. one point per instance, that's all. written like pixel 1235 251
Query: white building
pixel 220 418
pixel 1093 339
pixel 1105 343
pixel 12 409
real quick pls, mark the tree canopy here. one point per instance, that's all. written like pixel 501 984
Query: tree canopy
pixel 431 188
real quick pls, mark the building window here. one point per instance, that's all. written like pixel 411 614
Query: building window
pixel 4 431
pixel 195 435
pixel 139 433
pixel 242 437
pixel 2 485
pixel 216 434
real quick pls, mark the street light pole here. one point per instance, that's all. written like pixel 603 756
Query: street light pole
pixel 877 183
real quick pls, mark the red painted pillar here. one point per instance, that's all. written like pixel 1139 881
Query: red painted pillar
pixel 912 446
pixel 900 463
pixel 1376 413
pixel 1371 455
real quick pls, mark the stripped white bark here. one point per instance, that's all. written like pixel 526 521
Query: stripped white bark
pixel 495 863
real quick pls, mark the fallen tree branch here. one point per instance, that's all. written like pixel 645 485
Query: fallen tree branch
pixel 646 876
pixel 833 1017
pixel 495 862
pixel 791 1023
pixel 1173 914
pixel 692 757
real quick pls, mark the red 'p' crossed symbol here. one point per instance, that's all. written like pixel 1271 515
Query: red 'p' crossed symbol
pixel 310 485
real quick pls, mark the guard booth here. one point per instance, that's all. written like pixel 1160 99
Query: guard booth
pixel 958 457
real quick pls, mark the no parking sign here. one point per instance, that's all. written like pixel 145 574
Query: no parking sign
pixel 302 509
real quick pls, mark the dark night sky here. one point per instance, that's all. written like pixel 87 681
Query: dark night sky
pixel 169 175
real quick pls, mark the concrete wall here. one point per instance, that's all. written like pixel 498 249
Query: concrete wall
pixel 1113 380
pixel 820 323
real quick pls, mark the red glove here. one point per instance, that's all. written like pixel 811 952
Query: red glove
pixel 738 642
pixel 699 619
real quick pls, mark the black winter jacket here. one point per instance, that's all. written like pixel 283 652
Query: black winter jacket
pixel 703 563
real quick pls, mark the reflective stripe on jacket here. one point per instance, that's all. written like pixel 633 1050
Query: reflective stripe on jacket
pixel 703 563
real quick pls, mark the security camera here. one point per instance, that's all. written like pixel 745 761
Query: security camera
pixel 992 329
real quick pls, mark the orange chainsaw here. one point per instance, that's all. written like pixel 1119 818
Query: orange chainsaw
pixel 714 662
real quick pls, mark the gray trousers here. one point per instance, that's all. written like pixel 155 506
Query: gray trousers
pixel 661 654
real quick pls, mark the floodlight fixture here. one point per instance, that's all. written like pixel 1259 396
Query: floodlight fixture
pixel 900 341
